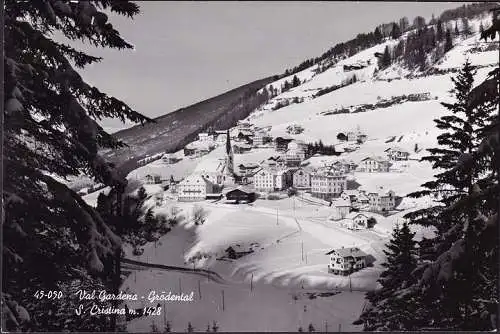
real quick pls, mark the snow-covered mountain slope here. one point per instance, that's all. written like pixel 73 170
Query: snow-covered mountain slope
pixel 338 111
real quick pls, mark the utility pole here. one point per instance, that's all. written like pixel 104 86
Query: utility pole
pixel 199 289
pixel 302 250
pixel 180 286
pixel 251 282
pixel 223 306
pixel 277 216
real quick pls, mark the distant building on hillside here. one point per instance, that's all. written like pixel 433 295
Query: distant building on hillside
pixel 328 183
pixel 152 179
pixel 240 147
pixel 282 143
pixel 275 162
pixel 203 136
pixel 374 165
pixel 397 153
pixel 260 138
pixel 295 154
pixel 382 200
pixel 346 166
pixel 344 261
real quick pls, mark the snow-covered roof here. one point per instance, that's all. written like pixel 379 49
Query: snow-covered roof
pixel 346 252
pixel 341 202
pixel 376 158
pixel 396 149
pixel 195 178
pixel 352 215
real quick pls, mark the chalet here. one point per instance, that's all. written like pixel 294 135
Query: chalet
pixel 282 143
pixel 357 198
pixel 346 166
pixel 352 136
pixel 356 221
pixel 341 208
pixel 397 153
pixel 328 183
pixel 260 138
pixel 275 162
pixel 382 200
pixel 203 136
pixel 241 194
pixel 194 188
pixel 344 261
pixel 240 147
pixel 374 164
pixel 302 178
pixel 152 179
pixel 171 158
pixel 190 149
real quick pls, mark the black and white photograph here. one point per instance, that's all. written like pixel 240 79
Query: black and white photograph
pixel 241 166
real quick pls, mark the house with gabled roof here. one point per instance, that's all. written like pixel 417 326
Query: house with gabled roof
pixel 344 261
pixel 374 164
pixel 195 187
pixel 397 153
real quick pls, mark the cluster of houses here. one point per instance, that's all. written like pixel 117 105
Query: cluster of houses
pixel 347 209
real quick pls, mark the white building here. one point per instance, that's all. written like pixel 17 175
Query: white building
pixel 152 179
pixel 341 208
pixel 374 165
pixel 270 179
pixel 356 221
pixel 302 178
pixel 295 154
pixel 382 200
pixel 203 136
pixel 344 261
pixel 397 153
pixel 260 137
pixel 194 188
pixel 358 198
pixel 328 183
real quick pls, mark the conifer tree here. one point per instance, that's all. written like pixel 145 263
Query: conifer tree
pixel 448 44
pixel 396 31
pixel 52 236
pixel 385 311
pixel 439 30
pixel 453 286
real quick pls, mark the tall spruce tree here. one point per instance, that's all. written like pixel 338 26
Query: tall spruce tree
pixel 52 237
pixel 385 310
pixel 396 31
pixel 439 30
pixel 448 43
pixel 454 286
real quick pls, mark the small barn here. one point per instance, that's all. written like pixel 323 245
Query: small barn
pixel 241 194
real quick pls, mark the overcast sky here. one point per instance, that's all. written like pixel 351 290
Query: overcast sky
pixel 186 52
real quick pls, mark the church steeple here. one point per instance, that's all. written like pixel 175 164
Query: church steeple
pixel 229 154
